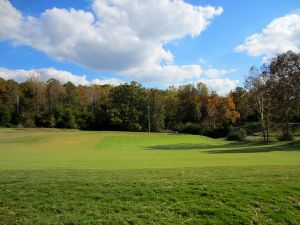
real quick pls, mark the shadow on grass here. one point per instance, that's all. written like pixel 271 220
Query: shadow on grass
pixel 183 146
pixel 251 147
pixel 257 149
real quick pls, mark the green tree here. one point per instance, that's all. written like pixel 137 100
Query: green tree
pixel 171 102
pixel 5 116
pixel 64 117
pixel 55 93
pixel 189 104
pixel 100 106
pixel 203 97
pixel 72 105
pixel 34 102
pixel 54 97
pixel 9 98
pixel 157 109
pixel 128 109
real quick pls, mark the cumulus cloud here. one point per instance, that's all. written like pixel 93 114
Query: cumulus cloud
pixel 217 73
pixel 164 74
pixel 281 35
pixel 47 73
pixel 125 36
pixel 113 81
pixel 221 85
pixel 10 20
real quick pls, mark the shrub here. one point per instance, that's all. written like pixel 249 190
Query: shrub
pixel 5 116
pixel 286 137
pixel 64 117
pixel 28 120
pixel 218 132
pixel 188 128
pixel 250 127
pixel 237 134
pixel 202 129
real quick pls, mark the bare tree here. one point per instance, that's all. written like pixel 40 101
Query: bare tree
pixel 260 97
pixel 285 87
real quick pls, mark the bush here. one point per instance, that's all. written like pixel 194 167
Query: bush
pixel 237 134
pixel 27 120
pixel 188 128
pixel 219 132
pixel 5 116
pixel 202 129
pixel 286 137
pixel 250 127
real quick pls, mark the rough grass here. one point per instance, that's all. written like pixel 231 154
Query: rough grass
pixel 73 177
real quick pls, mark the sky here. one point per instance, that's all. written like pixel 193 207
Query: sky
pixel 159 43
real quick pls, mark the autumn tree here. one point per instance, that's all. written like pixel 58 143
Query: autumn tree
pixel 284 85
pixel 257 83
pixel 55 95
pixel 241 100
pixel 230 112
pixel 274 91
pixel 213 104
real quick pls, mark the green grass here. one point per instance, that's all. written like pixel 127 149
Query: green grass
pixel 75 177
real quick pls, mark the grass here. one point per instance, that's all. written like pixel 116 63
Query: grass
pixel 50 176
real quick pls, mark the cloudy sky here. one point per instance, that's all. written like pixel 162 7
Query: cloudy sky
pixel 156 42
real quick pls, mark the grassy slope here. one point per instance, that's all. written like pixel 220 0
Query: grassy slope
pixel 74 177
pixel 44 149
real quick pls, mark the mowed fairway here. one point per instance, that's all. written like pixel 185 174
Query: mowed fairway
pixel 50 176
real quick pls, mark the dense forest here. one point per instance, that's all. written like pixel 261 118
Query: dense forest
pixel 270 95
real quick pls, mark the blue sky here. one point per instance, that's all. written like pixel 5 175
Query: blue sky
pixel 163 43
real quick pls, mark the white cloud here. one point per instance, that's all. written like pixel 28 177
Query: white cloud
pixel 125 36
pixel 217 73
pixel 202 61
pixel 113 81
pixel 10 20
pixel 164 74
pixel 47 73
pixel 221 86
pixel 281 35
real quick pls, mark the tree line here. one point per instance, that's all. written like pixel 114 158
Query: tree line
pixel 35 103
pixel 270 95
pixel 274 93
